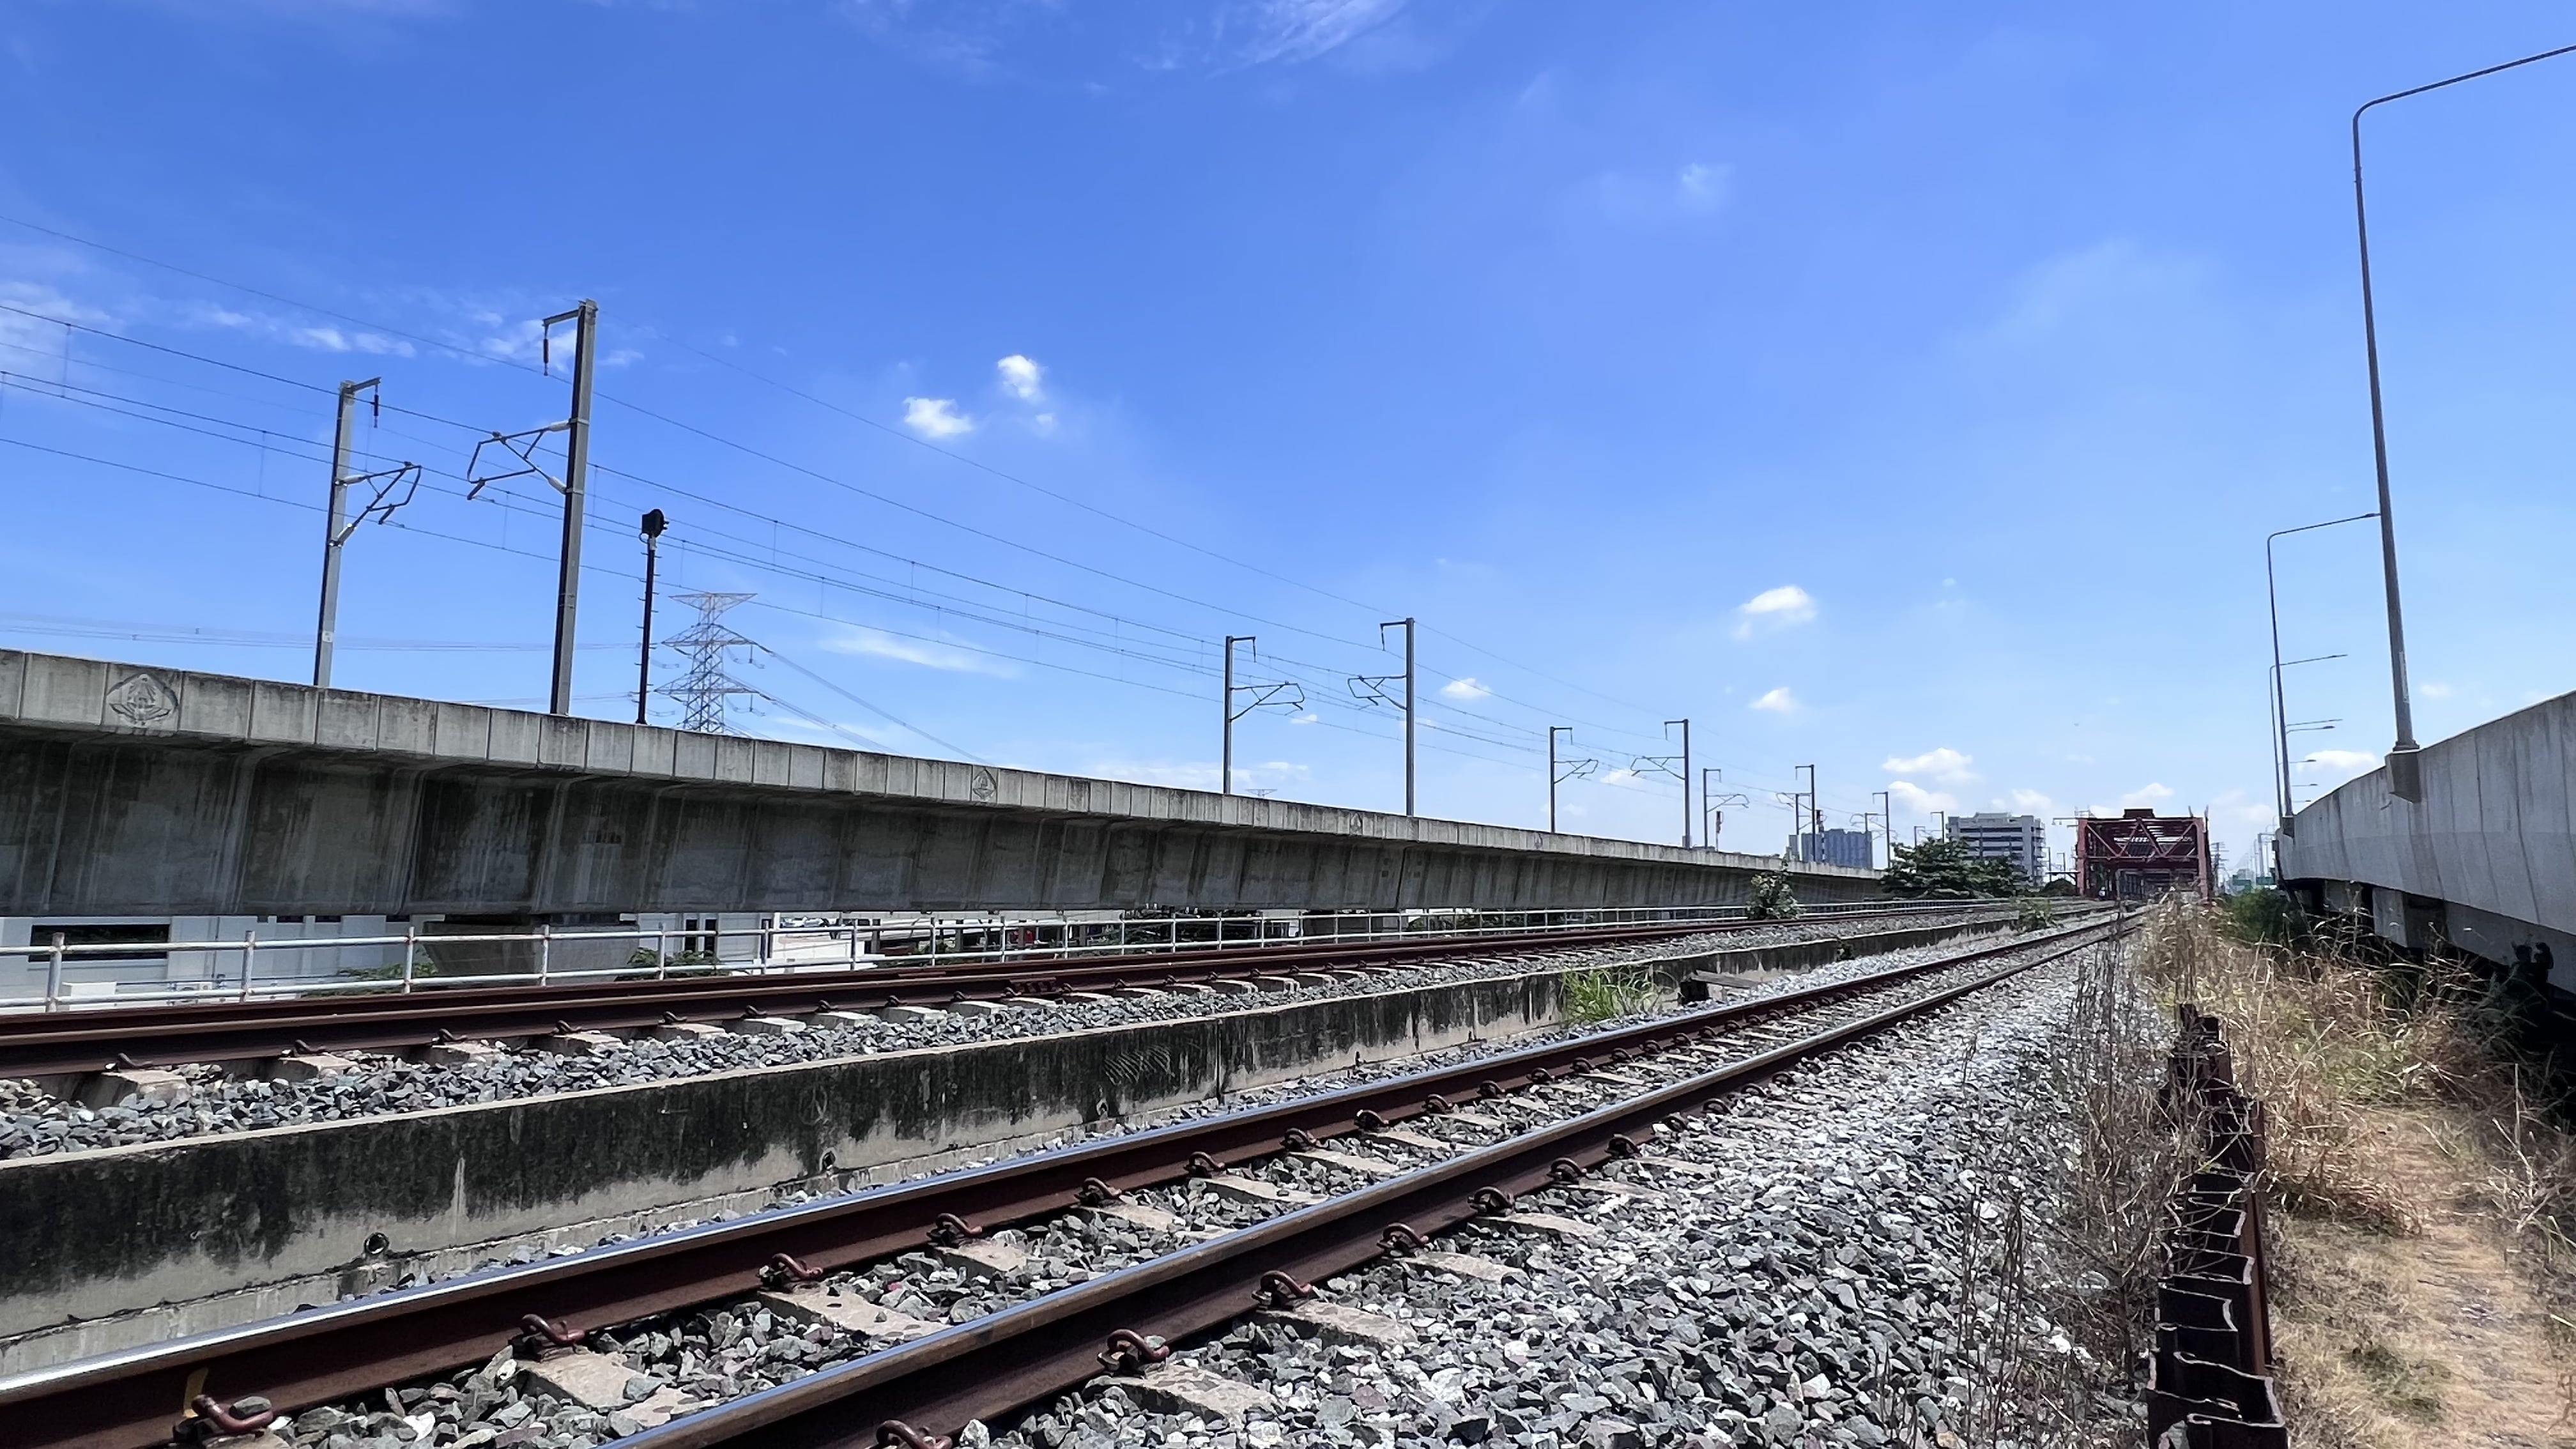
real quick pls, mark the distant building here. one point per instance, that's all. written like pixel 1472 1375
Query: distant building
pixel 1837 847
pixel 1993 835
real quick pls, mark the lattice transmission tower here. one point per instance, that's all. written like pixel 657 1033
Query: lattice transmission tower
pixel 702 691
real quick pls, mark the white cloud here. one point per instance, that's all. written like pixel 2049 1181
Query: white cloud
pixel 1045 424
pixel 1464 690
pixel 2031 802
pixel 2343 762
pixel 1778 701
pixel 1021 377
pixel 935 417
pixel 2147 794
pixel 1914 798
pixel 1702 187
pixel 1309 717
pixel 28 331
pixel 876 644
pixel 1774 609
pixel 2434 689
pixel 1945 764
pixel 328 338
pixel 1298 30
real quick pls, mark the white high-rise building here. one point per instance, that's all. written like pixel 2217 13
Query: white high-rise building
pixel 1993 835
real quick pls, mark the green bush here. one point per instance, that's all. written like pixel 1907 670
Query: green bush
pixel 2036 914
pixel 2264 916
pixel 1773 900
pixel 1944 870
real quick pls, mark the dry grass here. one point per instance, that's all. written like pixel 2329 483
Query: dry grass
pixel 2420 1243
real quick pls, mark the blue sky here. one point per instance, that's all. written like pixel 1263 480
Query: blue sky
pixel 1901 392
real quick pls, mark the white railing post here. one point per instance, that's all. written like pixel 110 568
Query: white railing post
pixel 662 952
pixel 54 977
pixel 545 950
pixel 411 941
pixel 250 960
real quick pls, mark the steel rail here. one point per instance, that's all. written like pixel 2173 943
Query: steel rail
pixel 49 1044
pixel 127 1400
pixel 1000 1363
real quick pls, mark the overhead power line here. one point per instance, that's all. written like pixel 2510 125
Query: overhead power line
pixel 486 355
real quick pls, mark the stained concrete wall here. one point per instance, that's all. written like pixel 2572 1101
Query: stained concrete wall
pixel 104 1232
pixel 134 791
pixel 2491 841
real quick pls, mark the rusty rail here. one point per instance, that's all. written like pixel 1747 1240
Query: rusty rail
pixel 128 1400
pixel 49 1044
pixel 2209 1385
pixel 920 1393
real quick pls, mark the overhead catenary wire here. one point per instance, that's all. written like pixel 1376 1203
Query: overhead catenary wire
pixel 590 568
pixel 273 441
pixel 1316 674
pixel 488 355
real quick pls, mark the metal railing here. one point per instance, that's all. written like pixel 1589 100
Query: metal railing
pixel 930 939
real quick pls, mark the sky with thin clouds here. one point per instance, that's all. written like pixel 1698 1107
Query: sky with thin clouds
pixel 1901 391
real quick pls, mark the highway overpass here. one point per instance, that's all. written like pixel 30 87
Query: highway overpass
pixel 133 791
pixel 2487 860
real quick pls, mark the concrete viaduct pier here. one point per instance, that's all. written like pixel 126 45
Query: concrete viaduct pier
pixel 134 791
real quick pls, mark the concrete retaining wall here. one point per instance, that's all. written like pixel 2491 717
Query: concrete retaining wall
pixel 99 1232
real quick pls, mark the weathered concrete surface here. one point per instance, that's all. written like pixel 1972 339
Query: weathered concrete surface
pixel 143 1244
pixel 134 791
pixel 100 1232
pixel 2487 858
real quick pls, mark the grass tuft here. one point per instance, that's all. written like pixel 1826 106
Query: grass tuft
pixel 1605 993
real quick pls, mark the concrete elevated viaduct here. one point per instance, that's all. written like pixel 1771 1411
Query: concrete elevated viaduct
pixel 127 790
pixel 2486 861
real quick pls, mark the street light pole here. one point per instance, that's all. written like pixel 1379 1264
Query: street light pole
pixel 1887 812
pixel 651 527
pixel 1708 801
pixel 1806 832
pixel 2272 593
pixel 2405 769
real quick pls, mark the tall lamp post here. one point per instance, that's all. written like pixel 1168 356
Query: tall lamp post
pixel 2272 593
pixel 2281 703
pixel 651 527
pixel 2405 769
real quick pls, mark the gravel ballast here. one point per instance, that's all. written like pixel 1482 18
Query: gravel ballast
pixel 35 1123
pixel 1803 1286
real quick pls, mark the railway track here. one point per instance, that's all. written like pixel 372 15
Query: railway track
pixel 1008 1359
pixel 74 1043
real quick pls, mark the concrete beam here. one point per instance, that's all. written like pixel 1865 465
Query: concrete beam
pixel 2486 860
pixel 134 791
